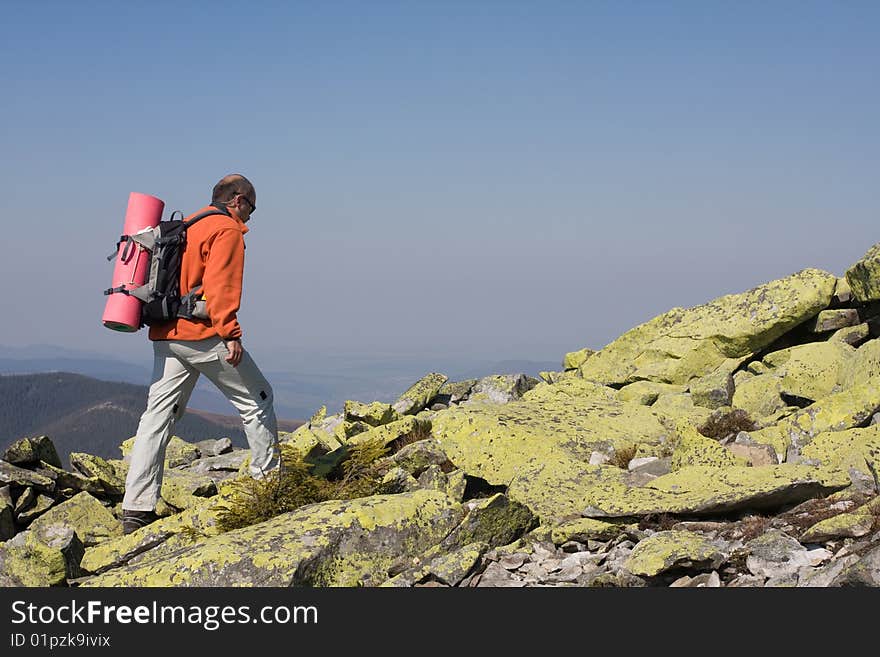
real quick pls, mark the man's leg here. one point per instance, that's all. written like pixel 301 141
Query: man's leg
pixel 172 383
pixel 250 393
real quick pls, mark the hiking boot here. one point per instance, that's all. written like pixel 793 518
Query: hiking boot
pixel 134 520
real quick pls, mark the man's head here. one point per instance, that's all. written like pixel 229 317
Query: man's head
pixel 238 195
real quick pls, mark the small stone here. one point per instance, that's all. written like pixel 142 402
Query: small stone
pixel 512 561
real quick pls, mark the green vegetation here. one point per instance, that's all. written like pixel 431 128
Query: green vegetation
pixel 252 501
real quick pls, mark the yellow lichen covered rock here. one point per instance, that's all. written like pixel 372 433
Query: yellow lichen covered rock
pixel 647 392
pixel 374 414
pixel 91 520
pixel 715 389
pixel 816 370
pixel 679 407
pixel 104 471
pixel 665 550
pixel 183 489
pixel 844 525
pixel 772 437
pixel 198 520
pixel 854 449
pixel 177 453
pixel 843 410
pixel 693 448
pixel 761 397
pixel 865 364
pixel 419 394
pixel 584 529
pixel 683 344
pixel 26 561
pixel 864 276
pixel 568 388
pixel 703 490
pixel 574 359
pixel 335 543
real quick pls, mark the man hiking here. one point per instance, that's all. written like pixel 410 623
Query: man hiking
pixel 185 348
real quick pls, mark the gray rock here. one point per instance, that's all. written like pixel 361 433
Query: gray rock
pixel 657 467
pixel 513 561
pixel 830 320
pixel 228 461
pixel 420 394
pixel 864 572
pixel 501 388
pixel 496 575
pixel 825 575
pixel 782 580
pixel 456 390
pixel 747 581
pixel 39 506
pixel 775 555
pixel 7 520
pixel 705 580
pixel 11 474
pixel 417 456
pixel 25 501
pixel 62 537
pixel 214 447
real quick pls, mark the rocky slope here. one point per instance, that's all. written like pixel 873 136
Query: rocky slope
pixel 729 444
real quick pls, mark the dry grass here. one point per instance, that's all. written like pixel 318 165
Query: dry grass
pixel 751 527
pixel 658 521
pixel 421 431
pixel 623 456
pixel 726 425
pixel 253 501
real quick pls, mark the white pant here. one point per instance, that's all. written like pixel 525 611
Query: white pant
pixel 176 368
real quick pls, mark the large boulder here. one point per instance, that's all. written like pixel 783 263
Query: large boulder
pixel 501 388
pixel 850 450
pixel 815 370
pixel 706 490
pixel 847 409
pixel 110 474
pixel 26 561
pixel 334 543
pixel 374 414
pixel 495 442
pixel 668 550
pixel 864 276
pixel 91 520
pixel 28 451
pixel 686 343
pixel 178 452
pixel 419 394
pixel 22 477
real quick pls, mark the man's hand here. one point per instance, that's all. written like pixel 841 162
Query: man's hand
pixel 235 352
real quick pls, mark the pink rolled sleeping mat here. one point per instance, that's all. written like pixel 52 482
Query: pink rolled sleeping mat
pixel 123 312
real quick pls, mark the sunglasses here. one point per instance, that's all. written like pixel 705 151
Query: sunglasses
pixel 250 203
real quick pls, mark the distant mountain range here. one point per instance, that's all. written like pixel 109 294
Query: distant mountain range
pixel 325 379
pixel 81 413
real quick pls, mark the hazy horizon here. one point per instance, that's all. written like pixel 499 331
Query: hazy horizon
pixel 436 180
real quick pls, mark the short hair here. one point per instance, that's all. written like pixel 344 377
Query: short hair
pixel 228 186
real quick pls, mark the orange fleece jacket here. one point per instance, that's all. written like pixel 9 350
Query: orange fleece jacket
pixel 214 257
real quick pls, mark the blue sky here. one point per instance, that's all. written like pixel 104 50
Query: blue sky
pixel 487 179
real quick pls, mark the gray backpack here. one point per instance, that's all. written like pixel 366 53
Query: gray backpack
pixel 161 292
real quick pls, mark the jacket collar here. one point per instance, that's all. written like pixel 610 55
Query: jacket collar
pixel 221 209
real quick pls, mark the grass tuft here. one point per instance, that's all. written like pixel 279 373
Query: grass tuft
pixel 722 425
pixel 252 501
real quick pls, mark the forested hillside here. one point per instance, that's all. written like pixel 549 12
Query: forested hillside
pixel 81 414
